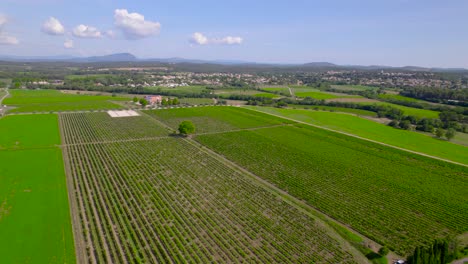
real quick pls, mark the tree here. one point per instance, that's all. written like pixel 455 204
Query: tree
pixel 135 99
pixel 440 132
pixel 450 133
pixel 175 101
pixel 393 123
pixel 143 102
pixel 383 251
pixel 405 124
pixel 186 128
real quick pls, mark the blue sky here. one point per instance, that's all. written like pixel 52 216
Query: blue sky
pixel 367 32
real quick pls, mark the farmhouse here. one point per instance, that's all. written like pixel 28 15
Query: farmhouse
pixel 153 99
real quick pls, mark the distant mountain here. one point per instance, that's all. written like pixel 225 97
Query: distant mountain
pixel 127 57
pixel 319 64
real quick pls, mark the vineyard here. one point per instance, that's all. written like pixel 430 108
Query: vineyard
pixel 216 119
pixel 371 130
pixel 398 199
pixel 141 196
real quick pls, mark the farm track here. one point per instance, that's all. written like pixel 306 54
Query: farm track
pixel 366 139
pixel 80 246
pixel 130 214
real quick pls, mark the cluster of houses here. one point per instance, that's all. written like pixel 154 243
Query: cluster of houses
pixel 154 99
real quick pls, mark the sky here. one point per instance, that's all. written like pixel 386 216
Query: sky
pixel 430 33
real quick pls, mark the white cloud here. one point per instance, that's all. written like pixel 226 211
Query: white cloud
pixel 134 25
pixel 200 39
pixel 110 34
pixel 83 31
pixel 5 38
pixel 68 44
pixel 52 26
pixel 228 40
pixel 3 20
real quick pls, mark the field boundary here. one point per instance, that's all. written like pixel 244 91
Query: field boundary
pixel 79 241
pixel 362 138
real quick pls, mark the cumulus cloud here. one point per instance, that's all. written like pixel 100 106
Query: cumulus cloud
pixel 83 31
pixel 68 44
pixel 200 39
pixel 228 40
pixel 3 20
pixel 134 25
pixel 110 34
pixel 5 38
pixel 52 26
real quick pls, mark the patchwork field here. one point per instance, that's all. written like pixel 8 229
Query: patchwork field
pixel 359 183
pixel 359 112
pixel 421 113
pixel 353 87
pixel 169 200
pixel 215 119
pixel 398 97
pixel 369 129
pixel 53 100
pixel 35 221
pixel 304 91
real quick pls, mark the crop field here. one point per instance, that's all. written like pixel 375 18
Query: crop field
pixel 375 131
pixel 53 100
pixel 196 101
pixel 267 95
pixel 215 119
pixel 353 87
pixel 399 97
pixel 84 76
pixel 421 113
pixel 398 199
pixel 359 112
pixel 16 133
pixel 100 127
pixel 169 200
pixel 281 90
pixel 319 95
pixel 181 90
pixel 34 210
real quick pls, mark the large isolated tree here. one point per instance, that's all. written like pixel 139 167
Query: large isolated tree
pixel 186 128
pixel 450 133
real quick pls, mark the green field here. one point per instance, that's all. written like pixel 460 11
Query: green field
pixel 196 101
pixel 180 90
pixel 359 183
pixel 359 112
pixel 53 100
pixel 304 91
pixel 266 95
pixel 281 90
pixel 28 131
pixel 316 95
pixel 369 129
pixel 35 221
pixel 170 200
pixel 85 76
pixel 421 113
pixel 215 119
pixel 353 87
pixel 398 97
